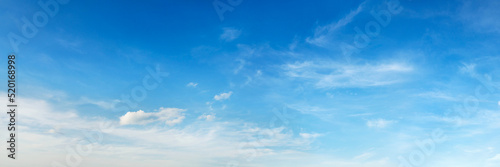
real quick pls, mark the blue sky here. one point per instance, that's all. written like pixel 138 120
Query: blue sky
pixel 297 83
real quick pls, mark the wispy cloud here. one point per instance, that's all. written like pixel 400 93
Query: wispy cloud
pixel 240 66
pixel 207 117
pixel 223 96
pixel 438 95
pixel 495 158
pixel 379 123
pixel 364 156
pixel 192 84
pixel 323 34
pixel 481 15
pixel 327 74
pixel 230 34
pixel 310 135
pixel 196 143
pixel 325 114
pixel 103 104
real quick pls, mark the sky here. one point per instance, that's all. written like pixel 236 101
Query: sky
pixel 239 83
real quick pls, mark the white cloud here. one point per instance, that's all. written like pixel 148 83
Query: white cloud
pixel 379 123
pixel 310 135
pixel 468 68
pixel 223 96
pixel 139 117
pixel 364 156
pixel 327 74
pixel 325 114
pixel 171 116
pixel 323 34
pixel 174 121
pixel 110 105
pixel 240 66
pixel 495 158
pixel 383 162
pixel 438 95
pixel 208 117
pixel 280 136
pixel 192 84
pixel 197 143
pixel 43 112
pixel 258 73
pixel 230 34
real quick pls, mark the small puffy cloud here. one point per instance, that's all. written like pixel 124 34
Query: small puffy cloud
pixel 208 117
pixel 192 84
pixel 170 116
pixel 139 117
pixel 499 103
pixel 230 34
pixel 379 123
pixel 223 96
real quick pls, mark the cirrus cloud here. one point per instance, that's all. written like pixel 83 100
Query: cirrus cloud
pixel 328 74
pixel 230 34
